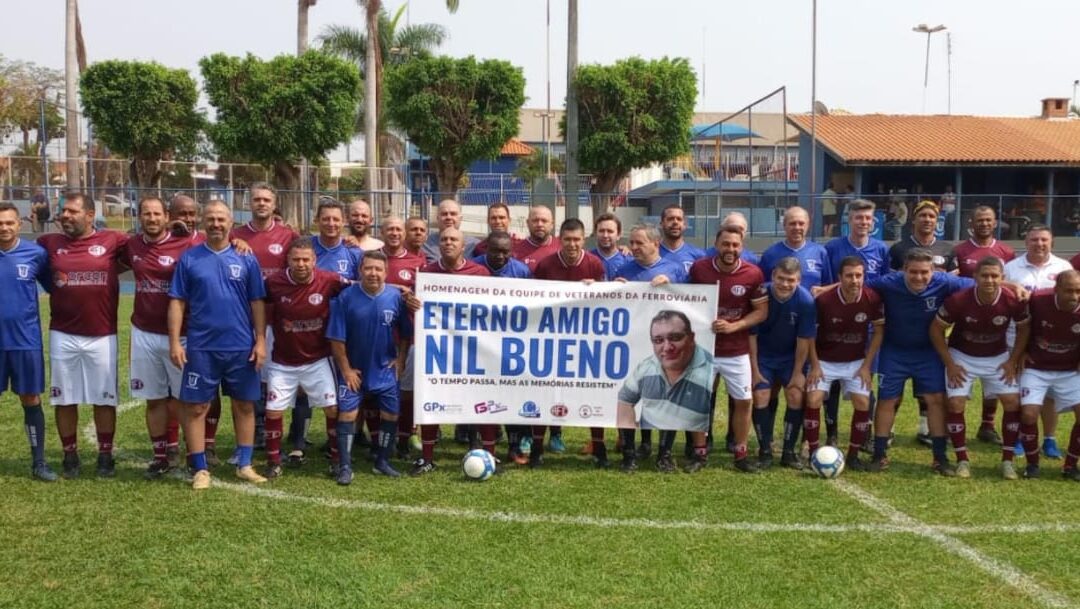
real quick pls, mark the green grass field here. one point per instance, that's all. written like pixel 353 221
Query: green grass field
pixel 565 536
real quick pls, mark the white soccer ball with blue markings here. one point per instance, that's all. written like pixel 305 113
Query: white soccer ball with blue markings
pixel 478 465
pixel 827 462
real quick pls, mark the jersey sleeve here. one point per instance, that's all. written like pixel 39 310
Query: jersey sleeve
pixel 178 288
pixel 1019 311
pixel 44 273
pixel 404 320
pixel 807 316
pixel 955 283
pixel 335 327
pixel 947 311
pixel 256 287
pixel 877 307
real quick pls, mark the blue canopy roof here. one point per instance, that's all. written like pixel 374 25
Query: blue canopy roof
pixel 726 131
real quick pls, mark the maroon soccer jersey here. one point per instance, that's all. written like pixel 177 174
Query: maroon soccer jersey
pixel 736 290
pixel 968 254
pixel 467 268
pixel 270 246
pixel 555 267
pixel 153 264
pixel 300 313
pixel 1055 334
pixel 402 267
pixel 979 328
pixel 844 327
pixel 531 253
pixel 85 281
pixel 1075 261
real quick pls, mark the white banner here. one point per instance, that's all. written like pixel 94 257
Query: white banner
pixel 530 352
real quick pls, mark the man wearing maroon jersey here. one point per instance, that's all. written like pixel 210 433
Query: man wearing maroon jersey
pixel 540 243
pixel 844 353
pixel 85 265
pixel 968 254
pixel 976 348
pixel 742 303
pixel 498 221
pixel 1053 356
pixel 451 261
pixel 300 361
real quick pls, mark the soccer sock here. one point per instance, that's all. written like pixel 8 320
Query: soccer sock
pixel 646 436
pixel 405 421
pixel 387 434
pixel 1010 430
pixel 860 428
pixel 172 433
pixel 1074 447
pixel 989 410
pixel 596 434
pixel 832 410
pixel 957 428
pixel 627 442
pixel 273 440
pixel 740 451
pixel 1029 435
pixel 538 441
pixel 198 461
pixel 331 437
pixel 243 455
pixel 105 442
pixel 513 439
pixel 701 452
pixel 160 445
pixel 793 420
pixel 69 444
pixel 429 435
pixel 343 436
pixel 301 421
pixel 939 446
pixel 34 422
pixel 213 415
pixel 556 430
pixel 881 447
pixel 667 441
pixel 371 419
pixel 812 427
pixel 760 419
pixel 488 437
pixel 770 424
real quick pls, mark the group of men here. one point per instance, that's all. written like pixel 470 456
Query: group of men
pixel 275 320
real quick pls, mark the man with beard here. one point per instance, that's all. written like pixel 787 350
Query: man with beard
pixel 416 237
pixel 540 243
pixel 360 224
pixel 498 221
pixel 673 246
pixel 608 229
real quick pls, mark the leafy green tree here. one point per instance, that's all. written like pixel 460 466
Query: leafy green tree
pixel 142 110
pixel 632 113
pixel 456 111
pixel 23 85
pixel 533 167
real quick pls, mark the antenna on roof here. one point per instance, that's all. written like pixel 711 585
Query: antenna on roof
pixel 820 108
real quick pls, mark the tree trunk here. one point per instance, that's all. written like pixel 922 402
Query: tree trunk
pixel 371 105
pixel 447 177
pixel 290 199
pixel 602 192
pixel 144 173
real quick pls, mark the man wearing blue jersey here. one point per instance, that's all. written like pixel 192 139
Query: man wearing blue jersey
pixel 673 246
pixel 498 260
pixel 23 265
pixel 369 329
pixel 779 350
pixel 812 257
pixel 607 229
pixel 221 293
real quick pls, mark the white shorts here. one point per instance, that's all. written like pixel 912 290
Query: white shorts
pixel 263 374
pixel 316 379
pixel 737 375
pixel 984 369
pixel 844 372
pixel 1061 385
pixel 153 375
pixel 406 380
pixel 83 369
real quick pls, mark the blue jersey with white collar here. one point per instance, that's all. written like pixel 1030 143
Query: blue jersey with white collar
pixel 612 263
pixel 513 269
pixel 686 255
pixel 22 269
pixel 370 325
pixel 635 271
pixel 907 314
pixel 788 320
pixel 218 287
pixel 340 259
pixel 875 256
pixel 813 259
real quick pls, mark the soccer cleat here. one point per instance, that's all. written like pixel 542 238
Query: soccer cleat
pixel 831 441
pixel 211 457
pixel 746 466
pixel 106 465
pixel 156 470
pixel 1031 472
pixel 201 480
pixel 644 450
pixel 856 464
pixel 791 460
pixel 1071 473
pixel 536 460
pixel 273 470
pixel 295 459
pixel 924 439
pixel 382 467
pixel 518 457
pixel 1008 471
pixel 172 457
pixel 629 464
pixel 1050 448
pixel 526 445
pixel 71 465
pixel 694 466
pixel 461 434
pixel 988 435
pixel 665 464
pixel 42 471
pixel 586 449
pixel 234 458
pixel 867 445
pixel 963 469
pixel 945 469
pixel 601 461
pixel 248 474
pixel 344 476
pixel 878 465
pixel 765 460
pixel 556 445
pixel 421 467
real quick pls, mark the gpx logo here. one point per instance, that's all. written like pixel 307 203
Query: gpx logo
pixel 434 407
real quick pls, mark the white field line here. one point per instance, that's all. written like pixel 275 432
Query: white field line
pixel 996 568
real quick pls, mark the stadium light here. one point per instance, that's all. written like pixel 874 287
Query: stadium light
pixel 922 28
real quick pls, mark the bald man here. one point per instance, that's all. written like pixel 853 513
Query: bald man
pixel 448 216
pixel 360 223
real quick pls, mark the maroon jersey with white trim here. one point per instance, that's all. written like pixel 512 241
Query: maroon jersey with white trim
pixel 300 315
pixel 270 246
pixel 736 290
pixel 556 268
pixel 402 267
pixel 531 252
pixel 85 281
pixel 1055 334
pixel 469 268
pixel 152 264
pixel 979 328
pixel 843 332
pixel 968 254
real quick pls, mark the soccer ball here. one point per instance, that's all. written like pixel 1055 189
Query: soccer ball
pixel 827 462
pixel 478 465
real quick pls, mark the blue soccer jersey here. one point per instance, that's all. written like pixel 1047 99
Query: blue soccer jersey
pixel 612 263
pixel 875 256
pixel 907 314
pixel 22 268
pixel 513 269
pixel 812 257
pixel 686 255
pixel 218 288
pixel 340 259
pixel 635 271
pixel 370 325
pixel 788 320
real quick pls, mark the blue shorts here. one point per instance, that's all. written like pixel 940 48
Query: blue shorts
pixel 388 398
pixel 205 371
pixel 775 371
pixel 23 371
pixel 923 367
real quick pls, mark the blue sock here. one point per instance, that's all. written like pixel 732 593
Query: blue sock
pixel 881 446
pixel 345 431
pixel 793 420
pixel 34 421
pixel 301 420
pixel 198 461
pixel 770 424
pixel 760 418
pixel 939 444
pixel 387 433
pixel 243 455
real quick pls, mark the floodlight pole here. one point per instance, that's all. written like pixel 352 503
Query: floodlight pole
pixel 571 111
pixel 813 105
pixel 922 28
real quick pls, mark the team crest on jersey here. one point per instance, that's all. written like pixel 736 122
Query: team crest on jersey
pixel 275 248
pixel 860 317
pixel 342 266
pixel 193 380
pixel 999 320
pixel 234 271
pixel 166 260
pixel 23 270
pixel 931 303
pixel 59 279
pixel 405 274
pixel 738 290
pixel 1076 328
pixel 55 392
pixel 388 316
pixel 939 260
pixel 96 250
pixel 812 266
pixel 315 299
pixel 872 266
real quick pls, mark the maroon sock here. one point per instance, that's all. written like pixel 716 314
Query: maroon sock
pixel 701 452
pixel 1010 431
pixel 160 444
pixel 213 415
pixel 740 450
pixel 331 437
pixel 1074 446
pixel 429 435
pixel 989 411
pixel 596 434
pixel 538 440
pixel 172 433
pixel 1029 435
pixel 488 435
pixel 860 428
pixel 70 443
pixel 812 427
pixel 273 429
pixel 105 442
pixel 405 416
pixel 957 428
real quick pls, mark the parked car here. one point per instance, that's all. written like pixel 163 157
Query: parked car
pixel 117 205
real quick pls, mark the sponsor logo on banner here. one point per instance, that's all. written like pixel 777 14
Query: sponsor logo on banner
pixel 559 411
pixel 480 408
pixel 24 270
pixel 96 250
pixel 441 407
pixel 529 410
pixel 588 411
pixel 489 407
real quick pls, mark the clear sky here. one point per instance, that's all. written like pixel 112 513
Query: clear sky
pixel 1006 55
